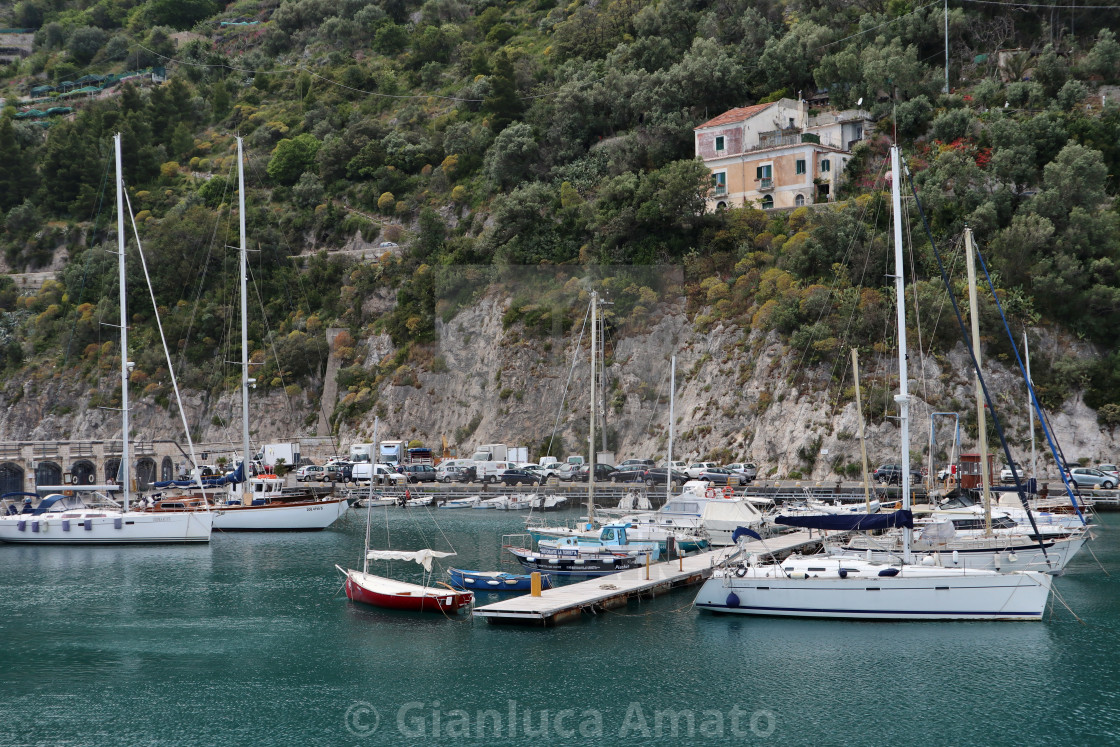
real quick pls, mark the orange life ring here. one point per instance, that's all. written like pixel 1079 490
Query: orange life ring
pixel 728 492
pixel 710 493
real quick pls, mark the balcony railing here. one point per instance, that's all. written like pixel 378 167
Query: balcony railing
pixel 766 183
pixel 719 190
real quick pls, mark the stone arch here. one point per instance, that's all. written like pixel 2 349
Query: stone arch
pixel 112 467
pixel 83 472
pixel 767 202
pixel 11 478
pixel 799 201
pixel 145 473
pixel 167 469
pixel 48 473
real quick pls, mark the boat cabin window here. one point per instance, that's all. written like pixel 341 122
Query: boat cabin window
pixel 818 570
pixel 258 488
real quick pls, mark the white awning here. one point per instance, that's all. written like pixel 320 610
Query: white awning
pixel 423 557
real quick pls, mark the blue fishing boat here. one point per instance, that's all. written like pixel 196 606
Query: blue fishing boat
pixel 495 580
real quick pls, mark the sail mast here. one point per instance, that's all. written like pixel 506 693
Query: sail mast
pixel 1030 408
pixel 669 460
pixel 123 470
pixel 862 437
pixel 981 418
pixel 247 487
pixel 591 438
pixel 903 396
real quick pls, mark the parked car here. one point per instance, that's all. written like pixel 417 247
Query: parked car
pixel 568 471
pixel 946 472
pixel 643 463
pixel 656 476
pixel 693 470
pixel 378 473
pixel 419 473
pixel 631 473
pixel 448 472
pixel 1110 469
pixel 1006 475
pixel 602 472
pixel 546 471
pixel 720 476
pixel 337 472
pixel 748 470
pixel 891 474
pixel 1087 477
pixel 520 476
pixel 308 473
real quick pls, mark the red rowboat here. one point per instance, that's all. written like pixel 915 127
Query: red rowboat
pixel 400 595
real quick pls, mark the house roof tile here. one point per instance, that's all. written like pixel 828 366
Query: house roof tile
pixel 735 115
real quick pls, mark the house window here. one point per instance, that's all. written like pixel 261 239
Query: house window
pixel 763 172
pixel 800 165
pixel 826 165
pixel 799 200
pixel 767 202
pixel 719 182
pixel 719 143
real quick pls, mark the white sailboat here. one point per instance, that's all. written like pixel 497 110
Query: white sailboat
pixel 87 516
pixel 256 504
pixel 852 586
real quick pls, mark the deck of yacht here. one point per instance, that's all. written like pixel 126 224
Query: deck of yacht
pixel 568 602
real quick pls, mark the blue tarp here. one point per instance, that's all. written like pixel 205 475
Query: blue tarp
pixel 744 532
pixel 850 522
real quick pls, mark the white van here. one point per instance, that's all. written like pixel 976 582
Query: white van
pixel 380 473
pixel 492 471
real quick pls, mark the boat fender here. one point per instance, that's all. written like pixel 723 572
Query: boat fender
pixel 34 526
pixel 843 573
pixel 733 600
pixel 799 575
pixel 66 525
pixel 118 522
pixel 1012 557
pixel 888 572
pixel 89 525
pixel 867 555
pixel 928 560
pixel 493 583
pixel 956 557
pixel 710 493
pixel 740 571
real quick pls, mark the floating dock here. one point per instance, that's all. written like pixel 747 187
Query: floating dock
pixel 566 603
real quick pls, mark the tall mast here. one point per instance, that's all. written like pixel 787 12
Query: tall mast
pixel 1030 407
pixel 669 460
pixel 246 485
pixel 123 472
pixel 903 396
pixel 591 438
pixel 981 418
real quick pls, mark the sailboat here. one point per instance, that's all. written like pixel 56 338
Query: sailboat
pixel 255 503
pixel 852 586
pixel 381 591
pixel 87 515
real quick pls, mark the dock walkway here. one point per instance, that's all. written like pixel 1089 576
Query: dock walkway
pixel 565 603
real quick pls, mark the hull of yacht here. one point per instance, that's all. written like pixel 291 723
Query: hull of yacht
pixel 106 528
pixel 306 516
pixel 851 588
pixel 991 555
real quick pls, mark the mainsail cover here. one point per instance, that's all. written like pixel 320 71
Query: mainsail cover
pixel 850 522
pixel 423 557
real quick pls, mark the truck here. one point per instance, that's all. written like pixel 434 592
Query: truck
pixel 360 452
pixel 272 453
pixel 491 453
pixel 391 452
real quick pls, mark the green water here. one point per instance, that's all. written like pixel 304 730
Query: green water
pixel 249 641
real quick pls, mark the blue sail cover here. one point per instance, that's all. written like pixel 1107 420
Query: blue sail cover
pixel 234 478
pixel 744 532
pixel 850 522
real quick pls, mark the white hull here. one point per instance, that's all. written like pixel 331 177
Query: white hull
pixel 278 517
pixel 815 589
pixel 974 556
pixel 106 528
pixel 472 502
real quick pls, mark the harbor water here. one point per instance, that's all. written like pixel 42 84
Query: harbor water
pixel 250 641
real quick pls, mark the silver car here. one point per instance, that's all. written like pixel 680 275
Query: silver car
pixel 747 470
pixel 1087 477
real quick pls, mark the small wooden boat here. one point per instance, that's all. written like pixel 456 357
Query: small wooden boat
pixel 379 591
pixel 469 502
pixel 495 580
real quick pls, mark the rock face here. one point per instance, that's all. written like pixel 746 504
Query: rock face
pixel 740 395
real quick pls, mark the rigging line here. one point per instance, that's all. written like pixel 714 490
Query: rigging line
pixel 881 25
pixel 1034 399
pixel 271 341
pixel 976 366
pixel 917 307
pixel 95 211
pixel 571 373
pixel 1041 5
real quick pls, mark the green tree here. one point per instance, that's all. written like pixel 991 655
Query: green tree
pixel 502 104
pixel 291 157
pixel 180 14
pixel 510 158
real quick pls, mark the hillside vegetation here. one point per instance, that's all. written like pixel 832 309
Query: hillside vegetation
pixel 494 134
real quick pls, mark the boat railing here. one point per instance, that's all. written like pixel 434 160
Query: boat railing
pixel 514 540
